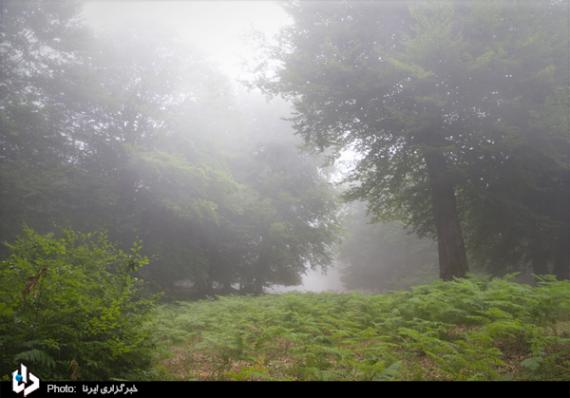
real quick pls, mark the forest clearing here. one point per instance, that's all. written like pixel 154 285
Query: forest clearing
pixel 465 330
pixel 288 190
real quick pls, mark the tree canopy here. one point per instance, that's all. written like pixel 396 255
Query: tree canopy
pixel 458 111
pixel 96 137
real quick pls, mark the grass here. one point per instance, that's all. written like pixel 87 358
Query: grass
pixel 471 329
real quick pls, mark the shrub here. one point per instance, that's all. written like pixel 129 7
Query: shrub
pixel 71 307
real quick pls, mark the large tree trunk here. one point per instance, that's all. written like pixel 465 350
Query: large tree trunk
pixel 451 248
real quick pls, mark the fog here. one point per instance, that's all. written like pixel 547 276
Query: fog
pixel 283 190
pixel 227 34
pixel 252 146
pixel 271 146
pixel 222 30
pixel 315 281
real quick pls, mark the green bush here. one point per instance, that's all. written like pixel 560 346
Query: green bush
pixel 71 307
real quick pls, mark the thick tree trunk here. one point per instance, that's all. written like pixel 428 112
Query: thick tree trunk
pixel 451 248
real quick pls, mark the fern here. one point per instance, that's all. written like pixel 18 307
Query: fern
pixel 472 329
pixel 35 357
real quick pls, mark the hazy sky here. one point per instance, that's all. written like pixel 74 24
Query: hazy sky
pixel 217 28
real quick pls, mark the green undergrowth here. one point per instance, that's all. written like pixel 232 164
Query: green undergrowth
pixel 469 329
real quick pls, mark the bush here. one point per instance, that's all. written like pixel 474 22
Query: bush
pixel 71 307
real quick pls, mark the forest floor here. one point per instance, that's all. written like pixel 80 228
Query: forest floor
pixel 463 330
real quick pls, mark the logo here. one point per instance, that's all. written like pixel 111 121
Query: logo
pixel 20 379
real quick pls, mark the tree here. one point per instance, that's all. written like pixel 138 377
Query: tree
pixel 420 91
pixel 126 136
pixel 516 171
pixel 292 219
pixel 39 47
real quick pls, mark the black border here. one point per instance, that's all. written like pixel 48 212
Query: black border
pixel 378 389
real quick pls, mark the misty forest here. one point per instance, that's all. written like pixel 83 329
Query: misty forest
pixel 288 190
